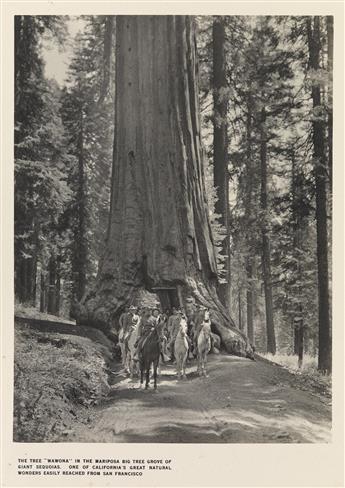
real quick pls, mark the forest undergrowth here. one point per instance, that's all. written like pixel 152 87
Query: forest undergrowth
pixel 307 377
pixel 57 378
pixel 28 311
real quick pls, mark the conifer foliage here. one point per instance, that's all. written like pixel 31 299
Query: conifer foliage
pixel 265 93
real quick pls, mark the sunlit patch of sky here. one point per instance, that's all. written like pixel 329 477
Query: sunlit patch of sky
pixel 57 58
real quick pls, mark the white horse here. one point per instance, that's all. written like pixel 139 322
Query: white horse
pixel 204 344
pixel 122 345
pixel 132 365
pixel 123 337
pixel 181 349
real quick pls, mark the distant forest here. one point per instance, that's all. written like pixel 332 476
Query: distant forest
pixel 264 87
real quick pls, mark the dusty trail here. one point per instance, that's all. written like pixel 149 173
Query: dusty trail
pixel 241 401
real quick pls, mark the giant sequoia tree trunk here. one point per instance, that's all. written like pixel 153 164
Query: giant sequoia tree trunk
pixel 159 234
pixel 220 146
pixel 325 341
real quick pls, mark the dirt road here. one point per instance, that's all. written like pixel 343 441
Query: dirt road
pixel 241 401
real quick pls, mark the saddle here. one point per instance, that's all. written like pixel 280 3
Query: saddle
pixel 142 341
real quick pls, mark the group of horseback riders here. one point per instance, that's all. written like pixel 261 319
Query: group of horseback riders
pixel 167 323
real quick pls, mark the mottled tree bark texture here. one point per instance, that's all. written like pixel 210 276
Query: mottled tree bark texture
pixel 325 333
pixel 159 233
pixel 220 146
pixel 266 244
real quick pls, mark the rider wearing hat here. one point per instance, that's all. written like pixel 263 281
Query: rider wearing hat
pixel 126 321
pixel 148 323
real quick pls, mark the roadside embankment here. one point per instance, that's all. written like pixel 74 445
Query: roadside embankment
pixel 60 371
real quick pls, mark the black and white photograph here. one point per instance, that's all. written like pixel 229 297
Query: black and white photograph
pixel 173 229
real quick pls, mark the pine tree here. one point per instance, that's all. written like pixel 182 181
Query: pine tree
pixel 318 126
pixel 88 119
pixel 37 142
pixel 220 145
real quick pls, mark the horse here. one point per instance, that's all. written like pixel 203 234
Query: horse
pixel 150 354
pixel 131 363
pixel 173 327
pixel 203 342
pixel 181 349
pixel 122 338
pixel 122 345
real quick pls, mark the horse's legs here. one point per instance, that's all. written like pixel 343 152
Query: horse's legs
pixel 141 374
pixel 199 363
pixel 155 365
pixel 205 361
pixel 127 363
pixel 202 364
pixel 195 348
pixel 130 368
pixel 127 359
pixel 184 365
pixel 147 377
pixel 122 354
pixel 178 371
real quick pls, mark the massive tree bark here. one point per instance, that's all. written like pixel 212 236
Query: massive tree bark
pixel 266 247
pixel 325 340
pixel 220 146
pixel 159 236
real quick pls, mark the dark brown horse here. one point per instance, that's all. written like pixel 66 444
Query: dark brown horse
pixel 150 354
